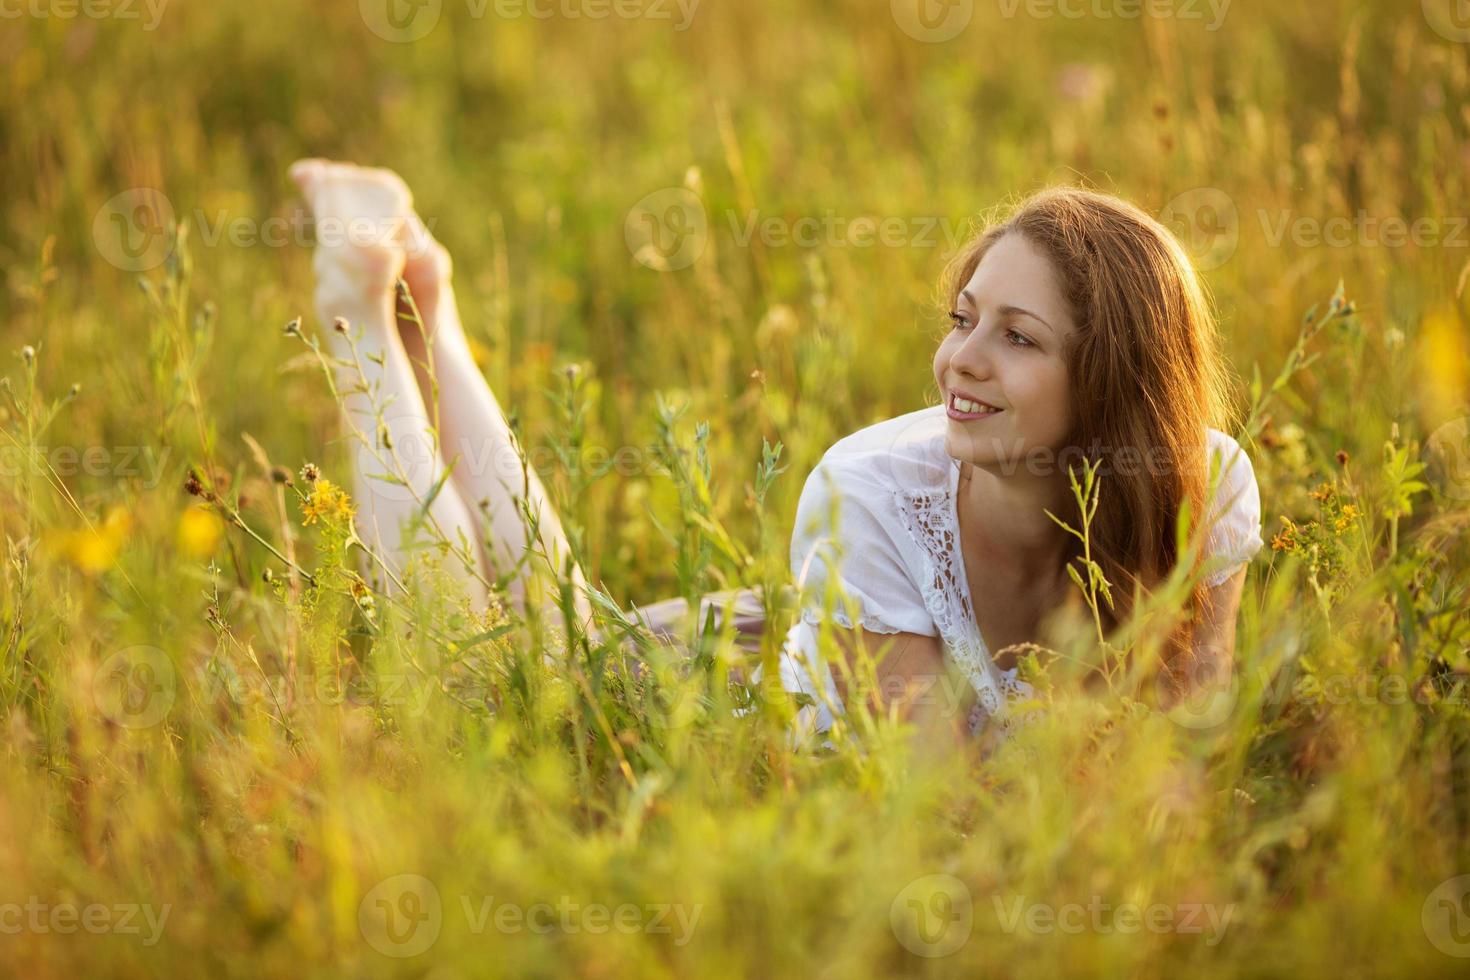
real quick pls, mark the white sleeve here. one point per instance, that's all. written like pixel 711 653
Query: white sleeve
pixel 1235 536
pixel 848 522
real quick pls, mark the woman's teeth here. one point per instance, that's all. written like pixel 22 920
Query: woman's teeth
pixel 969 407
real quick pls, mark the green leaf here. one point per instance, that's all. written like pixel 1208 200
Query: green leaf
pixel 388 478
pixel 485 637
pixel 437 488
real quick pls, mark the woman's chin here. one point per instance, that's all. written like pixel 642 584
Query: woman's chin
pixel 969 446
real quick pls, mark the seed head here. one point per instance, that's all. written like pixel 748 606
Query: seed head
pixel 194 486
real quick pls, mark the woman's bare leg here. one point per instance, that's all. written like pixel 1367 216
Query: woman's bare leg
pixel 489 472
pixel 474 433
pixel 358 260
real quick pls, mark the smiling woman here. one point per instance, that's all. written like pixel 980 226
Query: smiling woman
pixel 1083 316
pixel 1078 328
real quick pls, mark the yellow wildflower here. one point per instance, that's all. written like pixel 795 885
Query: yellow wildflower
pixel 1443 379
pixel 199 531
pixel 95 549
pixel 327 501
pixel 1285 539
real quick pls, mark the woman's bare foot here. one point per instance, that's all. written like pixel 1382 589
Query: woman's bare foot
pixel 368 237
pixel 361 232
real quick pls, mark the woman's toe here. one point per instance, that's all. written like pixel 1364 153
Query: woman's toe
pixel 389 180
pixel 306 173
pixel 345 191
pixel 365 225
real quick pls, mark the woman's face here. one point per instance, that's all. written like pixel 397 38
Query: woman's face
pixel 1010 323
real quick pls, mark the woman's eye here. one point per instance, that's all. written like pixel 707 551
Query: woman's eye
pixel 1017 339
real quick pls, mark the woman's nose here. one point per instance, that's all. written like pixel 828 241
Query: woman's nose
pixel 973 358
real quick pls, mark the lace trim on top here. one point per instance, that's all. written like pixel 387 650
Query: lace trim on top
pixel 928 516
pixel 813 617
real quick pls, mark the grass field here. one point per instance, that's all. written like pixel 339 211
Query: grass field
pixel 683 234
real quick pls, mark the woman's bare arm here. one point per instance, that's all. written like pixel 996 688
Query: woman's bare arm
pixel 912 675
pixel 1214 644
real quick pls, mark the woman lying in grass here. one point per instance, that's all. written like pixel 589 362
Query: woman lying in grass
pixel 1079 331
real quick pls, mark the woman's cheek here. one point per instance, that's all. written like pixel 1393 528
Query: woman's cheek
pixel 941 360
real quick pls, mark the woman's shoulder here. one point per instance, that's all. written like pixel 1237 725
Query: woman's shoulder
pixel 1235 529
pixel 850 522
pixel 905 452
pixel 1220 440
pixel 1235 463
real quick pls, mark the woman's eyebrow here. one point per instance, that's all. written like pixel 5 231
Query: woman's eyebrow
pixel 1009 310
pixel 1017 311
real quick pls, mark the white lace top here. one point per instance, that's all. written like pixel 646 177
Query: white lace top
pixel 899 561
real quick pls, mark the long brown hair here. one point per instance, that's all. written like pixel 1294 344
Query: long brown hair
pixel 1146 372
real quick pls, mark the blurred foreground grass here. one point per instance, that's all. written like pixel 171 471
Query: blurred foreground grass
pixel 224 771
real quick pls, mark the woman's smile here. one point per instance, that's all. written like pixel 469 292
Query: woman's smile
pixel 964 409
